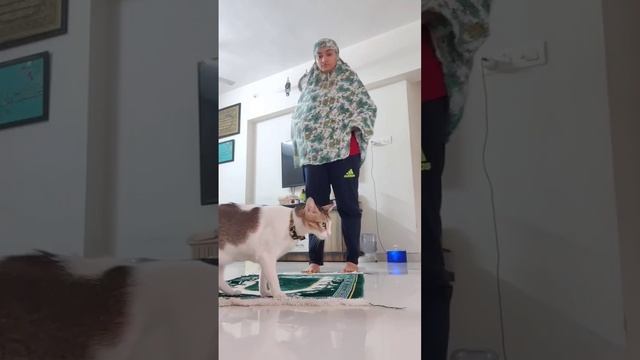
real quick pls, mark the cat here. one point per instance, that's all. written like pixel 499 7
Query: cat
pixel 263 234
pixel 71 308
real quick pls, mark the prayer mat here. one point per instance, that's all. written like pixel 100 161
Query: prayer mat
pixel 320 289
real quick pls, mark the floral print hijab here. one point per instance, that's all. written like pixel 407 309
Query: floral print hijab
pixel 331 107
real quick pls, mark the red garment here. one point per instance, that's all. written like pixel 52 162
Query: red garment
pixel 433 86
pixel 354 148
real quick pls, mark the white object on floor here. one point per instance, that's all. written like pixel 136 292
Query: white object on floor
pixel 367 258
pixel 368 246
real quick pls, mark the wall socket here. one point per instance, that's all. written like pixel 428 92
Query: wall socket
pixel 533 53
pixel 381 141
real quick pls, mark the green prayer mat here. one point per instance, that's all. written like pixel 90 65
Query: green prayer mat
pixel 301 289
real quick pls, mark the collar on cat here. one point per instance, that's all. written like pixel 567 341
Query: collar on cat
pixel 292 228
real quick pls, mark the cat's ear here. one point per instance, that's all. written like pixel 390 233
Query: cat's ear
pixel 328 208
pixel 310 206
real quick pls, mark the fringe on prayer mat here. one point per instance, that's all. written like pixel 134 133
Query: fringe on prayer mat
pixel 291 301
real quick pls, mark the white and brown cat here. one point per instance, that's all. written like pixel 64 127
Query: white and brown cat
pixel 263 234
pixel 71 308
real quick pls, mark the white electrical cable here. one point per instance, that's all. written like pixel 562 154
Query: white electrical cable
pixel 493 205
pixel 375 196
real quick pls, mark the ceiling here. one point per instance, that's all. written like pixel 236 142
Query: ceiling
pixel 258 38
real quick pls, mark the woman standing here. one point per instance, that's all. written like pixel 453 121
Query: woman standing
pixel 331 128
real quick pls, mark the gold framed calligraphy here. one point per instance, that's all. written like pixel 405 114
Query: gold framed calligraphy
pixel 229 121
pixel 24 21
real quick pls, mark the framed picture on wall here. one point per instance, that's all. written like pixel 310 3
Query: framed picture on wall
pixel 24 90
pixel 225 151
pixel 208 114
pixel 24 21
pixel 229 121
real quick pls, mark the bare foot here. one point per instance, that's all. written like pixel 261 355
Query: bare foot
pixel 312 269
pixel 350 267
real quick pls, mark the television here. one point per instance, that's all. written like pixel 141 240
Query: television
pixel 291 176
pixel 208 119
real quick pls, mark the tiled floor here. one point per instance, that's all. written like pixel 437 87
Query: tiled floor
pixel 329 333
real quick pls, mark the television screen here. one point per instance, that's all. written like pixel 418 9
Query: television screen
pixel 291 176
pixel 208 113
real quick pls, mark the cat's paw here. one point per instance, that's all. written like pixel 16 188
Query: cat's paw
pixel 279 295
pixel 265 293
pixel 232 291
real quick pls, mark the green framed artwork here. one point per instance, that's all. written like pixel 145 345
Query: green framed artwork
pixel 225 151
pixel 24 90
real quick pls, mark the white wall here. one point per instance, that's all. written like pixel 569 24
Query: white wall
pixel 415 130
pixel 115 170
pixel 101 131
pixel 387 186
pixel 384 63
pixel 550 160
pixel 157 189
pixel 42 186
pixel 623 75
